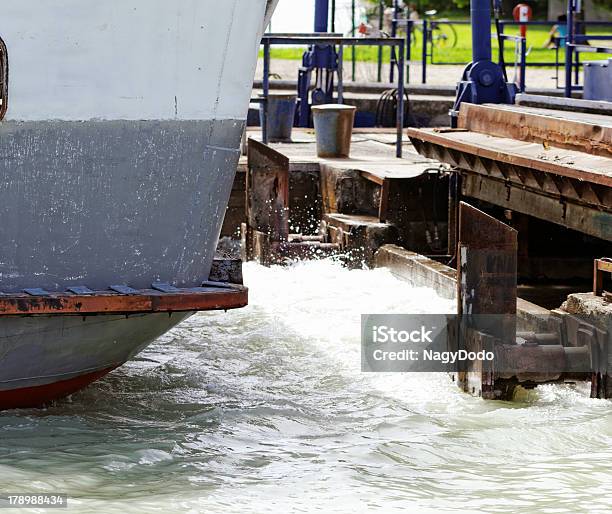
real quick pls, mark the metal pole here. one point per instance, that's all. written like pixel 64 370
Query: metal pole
pixel 569 40
pixel 393 59
pixel 400 100
pixel 266 91
pixel 321 15
pixel 480 11
pixel 523 68
pixel 333 16
pixel 424 56
pixel 577 67
pixel 381 17
pixel 353 49
pixel 340 74
pixel 501 42
pixel 408 48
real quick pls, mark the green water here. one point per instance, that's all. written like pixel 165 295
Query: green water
pixel 265 410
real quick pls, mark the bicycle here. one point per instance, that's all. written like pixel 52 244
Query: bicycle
pixel 440 34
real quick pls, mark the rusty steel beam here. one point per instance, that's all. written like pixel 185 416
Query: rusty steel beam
pixel 486 282
pixel 562 211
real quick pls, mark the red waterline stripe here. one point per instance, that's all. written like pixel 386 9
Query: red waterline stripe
pixel 38 396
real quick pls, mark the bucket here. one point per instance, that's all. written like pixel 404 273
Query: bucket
pixel 281 114
pixel 333 128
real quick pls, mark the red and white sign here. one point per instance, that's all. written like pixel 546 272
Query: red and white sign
pixel 522 13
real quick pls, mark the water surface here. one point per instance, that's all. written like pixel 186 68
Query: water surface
pixel 264 409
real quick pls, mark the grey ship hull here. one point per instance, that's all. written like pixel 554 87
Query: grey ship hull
pixel 117 157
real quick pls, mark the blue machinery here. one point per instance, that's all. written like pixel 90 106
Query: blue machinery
pixel 322 60
pixel 483 81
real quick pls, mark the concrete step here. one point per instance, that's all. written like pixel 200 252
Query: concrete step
pixel 359 236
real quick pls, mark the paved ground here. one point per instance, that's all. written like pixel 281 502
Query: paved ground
pixel 436 75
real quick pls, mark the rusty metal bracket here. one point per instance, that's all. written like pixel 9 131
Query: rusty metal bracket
pixel 601 266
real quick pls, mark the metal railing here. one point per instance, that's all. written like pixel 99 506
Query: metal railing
pixel 269 40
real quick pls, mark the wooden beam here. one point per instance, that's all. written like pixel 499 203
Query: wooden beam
pixel 539 126
pixel 557 161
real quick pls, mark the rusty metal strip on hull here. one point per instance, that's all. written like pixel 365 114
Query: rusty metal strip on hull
pixel 217 297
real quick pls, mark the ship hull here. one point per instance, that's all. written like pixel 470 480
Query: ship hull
pixel 99 203
pixel 44 358
pixel 118 151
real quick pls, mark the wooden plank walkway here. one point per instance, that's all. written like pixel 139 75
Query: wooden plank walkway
pixel 589 133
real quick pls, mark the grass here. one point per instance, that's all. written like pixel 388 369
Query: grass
pixel 461 53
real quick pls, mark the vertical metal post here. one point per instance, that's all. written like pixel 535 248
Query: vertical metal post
pixel 424 53
pixel 408 48
pixel 321 15
pixel 400 100
pixel 266 91
pixel 393 59
pixel 577 67
pixel 480 11
pixel 381 19
pixel 341 74
pixel 333 15
pixel 578 31
pixel 523 67
pixel 569 40
pixel 353 49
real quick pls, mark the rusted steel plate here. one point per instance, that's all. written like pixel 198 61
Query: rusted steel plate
pixel 557 161
pixel 487 264
pixel 540 126
pixel 267 191
pixel 142 301
pixel 486 292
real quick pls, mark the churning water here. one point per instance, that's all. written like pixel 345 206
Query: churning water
pixel 265 410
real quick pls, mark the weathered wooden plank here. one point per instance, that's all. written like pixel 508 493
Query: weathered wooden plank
pixel 569 104
pixel 558 161
pixel 553 128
